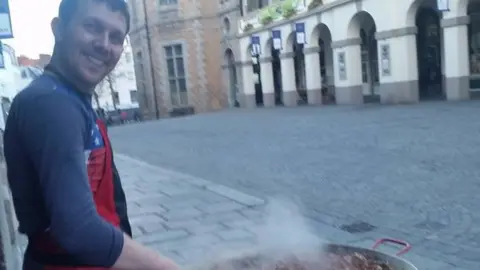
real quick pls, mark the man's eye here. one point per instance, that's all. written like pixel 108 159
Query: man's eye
pixel 91 27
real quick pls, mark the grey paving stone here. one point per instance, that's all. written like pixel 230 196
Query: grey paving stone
pixel 215 218
pixel 164 236
pixel 206 228
pixel 146 219
pixel 189 224
pixel 234 234
pixel 194 241
pixel 235 195
pixel 243 224
pixel 151 209
pixel 186 213
pixel 221 207
pixel 149 228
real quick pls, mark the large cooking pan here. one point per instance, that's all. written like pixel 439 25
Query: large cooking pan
pixel 394 261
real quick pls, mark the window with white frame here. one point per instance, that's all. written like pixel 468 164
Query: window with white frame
pixel 176 75
pixel 167 2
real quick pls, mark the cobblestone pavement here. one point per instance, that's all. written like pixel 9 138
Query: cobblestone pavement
pixel 409 171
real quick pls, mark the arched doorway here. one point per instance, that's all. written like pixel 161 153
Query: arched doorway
pixel 473 11
pixel 299 68
pixel 277 74
pixel 363 26
pixel 232 78
pixel 325 55
pixel 429 52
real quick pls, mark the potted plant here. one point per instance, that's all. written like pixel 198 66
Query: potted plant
pixel 266 16
pixel 314 4
pixel 289 8
pixel 247 27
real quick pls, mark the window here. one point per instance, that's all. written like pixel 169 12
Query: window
pixel 167 2
pixel 115 98
pixel 176 75
pixel 134 96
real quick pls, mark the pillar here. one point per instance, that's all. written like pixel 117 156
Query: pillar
pixel 248 86
pixel 267 82
pixel 398 68
pixel 313 75
pixel 290 95
pixel 348 72
pixel 456 54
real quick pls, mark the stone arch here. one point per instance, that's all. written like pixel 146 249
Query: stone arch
pixel 321 30
pixel 267 50
pixel 229 57
pixel 360 20
pixel 412 12
pixel 289 42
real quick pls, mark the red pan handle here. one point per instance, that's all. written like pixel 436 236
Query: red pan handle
pixel 405 249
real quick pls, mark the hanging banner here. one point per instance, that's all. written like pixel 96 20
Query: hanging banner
pixel 2 60
pixel 277 39
pixel 256 48
pixel 5 20
pixel 300 33
pixel 443 5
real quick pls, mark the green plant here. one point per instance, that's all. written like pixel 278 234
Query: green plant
pixel 314 4
pixel 247 27
pixel 266 16
pixel 289 8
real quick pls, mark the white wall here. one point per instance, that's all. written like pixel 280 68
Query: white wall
pixel 123 81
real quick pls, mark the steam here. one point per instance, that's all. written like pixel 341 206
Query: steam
pixel 283 232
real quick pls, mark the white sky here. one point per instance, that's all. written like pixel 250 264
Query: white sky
pixel 31 26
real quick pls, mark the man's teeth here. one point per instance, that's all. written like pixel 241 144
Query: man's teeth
pixel 95 61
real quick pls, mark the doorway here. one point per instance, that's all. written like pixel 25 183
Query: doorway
pixel 429 51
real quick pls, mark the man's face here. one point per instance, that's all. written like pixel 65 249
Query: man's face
pixel 92 42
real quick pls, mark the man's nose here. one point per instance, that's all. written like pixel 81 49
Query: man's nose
pixel 102 42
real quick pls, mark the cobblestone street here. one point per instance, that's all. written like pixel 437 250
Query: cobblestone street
pixel 408 172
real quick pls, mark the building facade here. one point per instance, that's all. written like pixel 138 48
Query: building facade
pixel 119 89
pixel 353 51
pixel 179 55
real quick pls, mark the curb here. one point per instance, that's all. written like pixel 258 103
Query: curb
pixel 224 191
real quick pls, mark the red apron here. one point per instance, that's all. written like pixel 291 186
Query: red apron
pixel 103 193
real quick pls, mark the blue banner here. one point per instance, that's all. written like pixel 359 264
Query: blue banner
pixel 256 48
pixel 5 20
pixel 2 60
pixel 277 39
pixel 300 33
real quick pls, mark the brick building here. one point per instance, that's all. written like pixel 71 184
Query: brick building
pixel 186 39
pixel 41 62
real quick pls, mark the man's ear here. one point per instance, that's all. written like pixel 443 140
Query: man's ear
pixel 57 30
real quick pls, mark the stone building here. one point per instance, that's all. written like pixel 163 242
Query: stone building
pixel 355 51
pixel 185 55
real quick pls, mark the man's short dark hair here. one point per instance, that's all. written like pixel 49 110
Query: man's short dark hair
pixel 69 7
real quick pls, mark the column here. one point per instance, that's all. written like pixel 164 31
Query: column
pixel 313 75
pixel 456 58
pixel 248 86
pixel 398 66
pixel 290 95
pixel 267 82
pixel 348 72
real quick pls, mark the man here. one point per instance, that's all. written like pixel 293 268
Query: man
pixel 66 189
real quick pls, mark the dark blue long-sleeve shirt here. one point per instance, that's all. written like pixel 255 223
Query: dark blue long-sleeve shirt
pixel 44 150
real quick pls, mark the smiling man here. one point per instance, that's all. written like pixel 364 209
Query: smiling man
pixel 67 192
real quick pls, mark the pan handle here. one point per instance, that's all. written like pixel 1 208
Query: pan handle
pixel 405 249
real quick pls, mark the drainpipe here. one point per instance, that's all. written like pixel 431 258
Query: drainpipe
pixel 149 48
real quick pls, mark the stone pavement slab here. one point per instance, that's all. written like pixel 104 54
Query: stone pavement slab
pixel 192 220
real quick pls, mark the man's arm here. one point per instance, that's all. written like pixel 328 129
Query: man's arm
pixel 53 129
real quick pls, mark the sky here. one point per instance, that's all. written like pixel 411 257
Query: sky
pixel 31 26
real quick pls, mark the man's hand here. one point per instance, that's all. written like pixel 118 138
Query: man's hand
pixel 135 256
